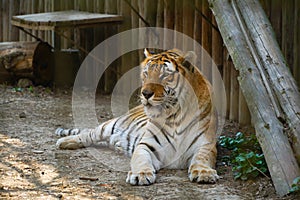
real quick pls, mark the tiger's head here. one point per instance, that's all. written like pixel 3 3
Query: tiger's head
pixel 165 77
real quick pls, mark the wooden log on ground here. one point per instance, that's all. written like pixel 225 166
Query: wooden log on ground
pixel 258 90
pixel 27 60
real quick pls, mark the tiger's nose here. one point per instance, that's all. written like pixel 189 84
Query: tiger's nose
pixel 147 93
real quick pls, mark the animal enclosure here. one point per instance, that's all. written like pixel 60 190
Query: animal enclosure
pixel 191 17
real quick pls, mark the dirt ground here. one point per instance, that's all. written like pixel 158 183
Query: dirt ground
pixel 32 168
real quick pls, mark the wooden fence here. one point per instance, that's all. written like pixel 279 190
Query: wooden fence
pixel 191 17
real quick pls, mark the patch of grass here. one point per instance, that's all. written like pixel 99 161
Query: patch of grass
pixel 246 157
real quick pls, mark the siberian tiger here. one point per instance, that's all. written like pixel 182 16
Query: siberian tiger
pixel 174 127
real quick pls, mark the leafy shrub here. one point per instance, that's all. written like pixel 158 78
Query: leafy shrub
pixel 296 185
pixel 246 157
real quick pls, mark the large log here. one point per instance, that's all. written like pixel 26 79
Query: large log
pixel 241 23
pixel 32 60
pixel 276 70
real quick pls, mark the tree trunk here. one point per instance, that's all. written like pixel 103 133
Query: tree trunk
pixel 27 60
pixel 266 83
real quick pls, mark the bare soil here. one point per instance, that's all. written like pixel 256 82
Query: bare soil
pixel 31 167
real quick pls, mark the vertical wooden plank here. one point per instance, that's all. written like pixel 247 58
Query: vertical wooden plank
pixel 14 8
pixel 99 36
pixel 217 47
pixel 198 28
pixel 234 94
pixel 266 5
pixel 22 11
pixel 40 9
pixel 178 26
pixel 126 62
pixel 5 20
pixel 90 6
pixel 1 20
pixel 206 41
pixel 217 71
pixel 142 36
pixel 287 31
pixel 276 19
pixel 29 10
pixel 244 114
pixel 169 23
pixel 82 5
pixel 150 10
pixel 296 50
pixel 134 16
pixel 110 7
pixel 227 79
pixel 135 54
pixel 135 24
pixel 48 7
pixel 56 38
pixel 160 13
pixel 99 6
pixel 188 23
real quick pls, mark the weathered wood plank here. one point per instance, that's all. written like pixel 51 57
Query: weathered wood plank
pixel 296 70
pixel 227 65
pixel 188 22
pixel 234 94
pixel 276 18
pixel 276 69
pixel 178 23
pixel 206 41
pixel 244 114
pixel 282 164
pixel 169 22
pixel 62 19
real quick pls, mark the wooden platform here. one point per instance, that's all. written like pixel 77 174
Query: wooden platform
pixel 63 19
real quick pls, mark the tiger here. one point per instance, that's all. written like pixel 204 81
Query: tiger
pixel 174 127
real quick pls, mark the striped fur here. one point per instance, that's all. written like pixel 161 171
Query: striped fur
pixel 174 127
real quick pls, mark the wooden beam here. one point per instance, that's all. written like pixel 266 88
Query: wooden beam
pixel 270 130
pixel 281 81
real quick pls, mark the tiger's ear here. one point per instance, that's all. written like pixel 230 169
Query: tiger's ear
pixel 147 53
pixel 188 60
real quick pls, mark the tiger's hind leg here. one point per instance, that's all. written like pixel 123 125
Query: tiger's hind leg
pixel 201 166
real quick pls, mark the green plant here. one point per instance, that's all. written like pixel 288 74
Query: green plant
pixel 30 89
pixel 246 157
pixel 295 185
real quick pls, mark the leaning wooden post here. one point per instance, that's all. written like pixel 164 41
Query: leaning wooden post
pixel 259 92
pixel 275 67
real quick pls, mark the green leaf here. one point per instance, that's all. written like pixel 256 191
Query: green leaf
pixel 237 175
pixel 239 135
pixel 244 177
pixel 259 162
pixel 296 180
pixel 240 158
pixel 250 154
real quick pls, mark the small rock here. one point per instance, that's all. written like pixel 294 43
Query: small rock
pixel 38 152
pixel 24 83
pixel 22 115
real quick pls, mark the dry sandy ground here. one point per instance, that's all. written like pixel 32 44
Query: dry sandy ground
pixel 32 168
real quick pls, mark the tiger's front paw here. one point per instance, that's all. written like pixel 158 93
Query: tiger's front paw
pixel 69 142
pixel 202 174
pixel 146 177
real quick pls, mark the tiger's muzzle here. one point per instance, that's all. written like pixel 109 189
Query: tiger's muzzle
pixel 152 94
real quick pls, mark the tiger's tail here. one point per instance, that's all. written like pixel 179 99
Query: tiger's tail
pixel 61 132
